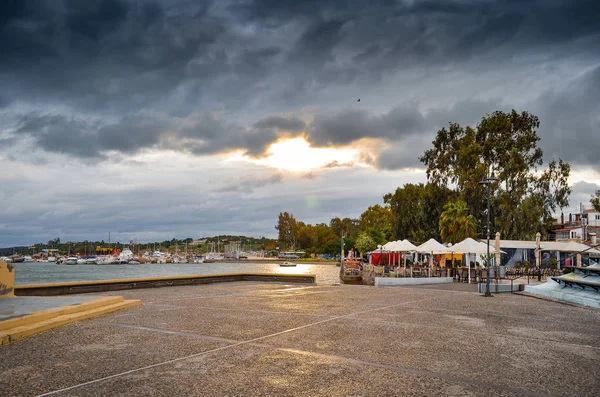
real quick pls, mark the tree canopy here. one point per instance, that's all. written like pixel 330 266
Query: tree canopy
pixel 525 197
pixel 452 204
pixel 595 200
pixel 456 224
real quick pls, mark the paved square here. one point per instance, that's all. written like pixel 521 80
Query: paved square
pixel 256 339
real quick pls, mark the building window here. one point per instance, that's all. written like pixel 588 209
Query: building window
pixel 598 217
pixel 573 234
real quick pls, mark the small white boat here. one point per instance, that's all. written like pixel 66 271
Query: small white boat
pixel 71 260
pixel 104 260
pixel 287 264
pixel 125 256
pixel 27 259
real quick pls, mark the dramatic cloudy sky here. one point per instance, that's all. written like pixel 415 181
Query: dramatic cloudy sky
pixel 171 118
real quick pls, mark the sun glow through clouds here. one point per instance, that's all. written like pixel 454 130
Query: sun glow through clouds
pixel 296 154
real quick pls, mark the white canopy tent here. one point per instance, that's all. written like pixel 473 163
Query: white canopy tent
pixel 387 246
pixel 431 247
pixel 399 246
pixel 570 246
pixel 404 246
pixel 470 246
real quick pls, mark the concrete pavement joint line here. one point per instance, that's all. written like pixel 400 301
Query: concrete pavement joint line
pixel 420 372
pixel 221 348
pixel 251 311
pixel 404 370
pixel 169 331
pixel 249 293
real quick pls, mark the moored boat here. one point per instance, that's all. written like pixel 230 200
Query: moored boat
pixel 351 271
pixel 287 264
pixel 71 260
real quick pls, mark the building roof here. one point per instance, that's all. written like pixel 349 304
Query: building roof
pixel 566 229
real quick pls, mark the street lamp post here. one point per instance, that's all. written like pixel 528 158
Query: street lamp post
pixel 488 181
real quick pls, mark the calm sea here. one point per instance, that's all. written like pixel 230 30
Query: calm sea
pixel 37 273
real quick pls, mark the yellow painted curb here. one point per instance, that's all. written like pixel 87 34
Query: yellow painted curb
pixel 43 315
pixel 7 279
pixel 13 334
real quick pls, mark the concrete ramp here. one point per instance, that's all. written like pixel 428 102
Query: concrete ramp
pixel 554 290
pixel 23 317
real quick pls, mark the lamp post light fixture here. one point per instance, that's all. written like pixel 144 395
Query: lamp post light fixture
pixel 488 180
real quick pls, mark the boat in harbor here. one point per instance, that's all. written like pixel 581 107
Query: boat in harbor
pixel 125 256
pixel 212 257
pixel 351 269
pixel 287 264
pixel 71 260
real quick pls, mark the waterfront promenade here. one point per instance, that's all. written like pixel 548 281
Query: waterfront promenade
pixel 257 339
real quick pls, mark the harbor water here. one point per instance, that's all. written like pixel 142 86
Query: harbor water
pixel 39 273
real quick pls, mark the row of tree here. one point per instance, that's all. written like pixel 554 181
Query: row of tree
pixel 200 246
pixel 452 205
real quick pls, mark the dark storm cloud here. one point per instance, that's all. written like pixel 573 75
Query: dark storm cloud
pixel 85 138
pixel 570 120
pixel 199 134
pixel 116 59
pixel 248 185
pixel 344 127
pixel 112 52
pixel 281 123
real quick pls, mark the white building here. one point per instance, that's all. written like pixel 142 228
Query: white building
pixel 592 217
pixel 573 233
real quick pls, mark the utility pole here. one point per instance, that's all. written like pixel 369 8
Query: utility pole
pixel 342 251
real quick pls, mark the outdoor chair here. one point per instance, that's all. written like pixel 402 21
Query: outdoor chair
pixel 474 274
pixel 484 275
pixel 464 275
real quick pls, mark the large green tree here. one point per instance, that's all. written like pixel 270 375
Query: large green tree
pixel 416 209
pixel 377 217
pixel 456 224
pixel 347 226
pixel 287 228
pixel 507 144
pixel 365 243
pixel 595 200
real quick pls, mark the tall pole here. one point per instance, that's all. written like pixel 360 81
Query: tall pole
pixel 487 281
pixel 488 181
pixel 342 251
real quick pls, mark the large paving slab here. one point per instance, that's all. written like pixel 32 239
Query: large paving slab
pixel 256 339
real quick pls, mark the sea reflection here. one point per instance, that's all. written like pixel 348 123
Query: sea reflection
pixel 37 273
